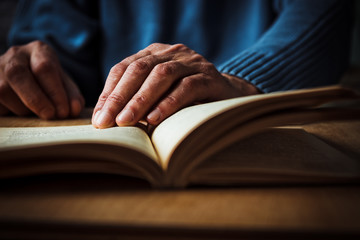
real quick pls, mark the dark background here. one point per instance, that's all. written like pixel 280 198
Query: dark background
pixel 7 11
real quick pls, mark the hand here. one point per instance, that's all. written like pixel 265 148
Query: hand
pixel 158 81
pixel 32 80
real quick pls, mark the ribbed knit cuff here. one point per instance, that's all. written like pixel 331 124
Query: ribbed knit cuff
pixel 246 65
pixel 289 56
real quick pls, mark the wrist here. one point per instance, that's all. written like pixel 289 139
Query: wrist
pixel 243 87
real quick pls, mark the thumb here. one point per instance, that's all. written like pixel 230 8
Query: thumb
pixel 76 99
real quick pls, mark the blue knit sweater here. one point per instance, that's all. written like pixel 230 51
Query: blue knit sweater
pixel 275 45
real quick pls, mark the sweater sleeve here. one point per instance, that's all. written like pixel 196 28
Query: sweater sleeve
pixel 306 46
pixel 72 29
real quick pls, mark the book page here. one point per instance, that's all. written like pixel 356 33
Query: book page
pixel 227 114
pixel 27 137
pixel 288 154
pixel 167 136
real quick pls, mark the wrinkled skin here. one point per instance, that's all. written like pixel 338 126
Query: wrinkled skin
pixel 158 81
pixel 32 81
pixel 151 84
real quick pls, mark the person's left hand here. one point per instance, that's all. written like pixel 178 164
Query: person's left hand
pixel 158 81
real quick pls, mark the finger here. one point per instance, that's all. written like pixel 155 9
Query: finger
pixel 76 99
pixel 129 84
pixel 17 74
pixel 117 72
pixel 155 86
pixel 3 110
pixel 190 89
pixel 47 71
pixel 114 77
pixel 11 101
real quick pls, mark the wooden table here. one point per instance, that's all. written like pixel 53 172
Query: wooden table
pixel 106 207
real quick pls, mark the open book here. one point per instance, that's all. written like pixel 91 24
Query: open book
pixel 235 141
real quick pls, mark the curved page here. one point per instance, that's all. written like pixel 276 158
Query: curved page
pixel 104 148
pixel 174 130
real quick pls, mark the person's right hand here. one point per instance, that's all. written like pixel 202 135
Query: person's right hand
pixel 32 80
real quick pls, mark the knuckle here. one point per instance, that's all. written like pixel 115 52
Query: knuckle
pixel 13 68
pixel 165 69
pixel 140 99
pixel 172 101
pixel 207 67
pixel 179 47
pixel 138 67
pixel 54 93
pixel 103 97
pixel 118 68
pixel 43 48
pixel 13 50
pixel 115 98
pixel 35 102
pixel 155 46
pixel 192 82
pixel 188 82
pixel 43 66
pixel 197 57
pixel 37 43
pixel 145 51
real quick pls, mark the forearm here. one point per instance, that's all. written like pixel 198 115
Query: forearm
pixel 70 28
pixel 307 46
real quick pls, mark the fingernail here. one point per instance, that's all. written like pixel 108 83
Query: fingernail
pixel 94 119
pixel 96 115
pixel 155 115
pixel 47 113
pixel 62 112
pixel 103 118
pixel 125 117
pixel 75 107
